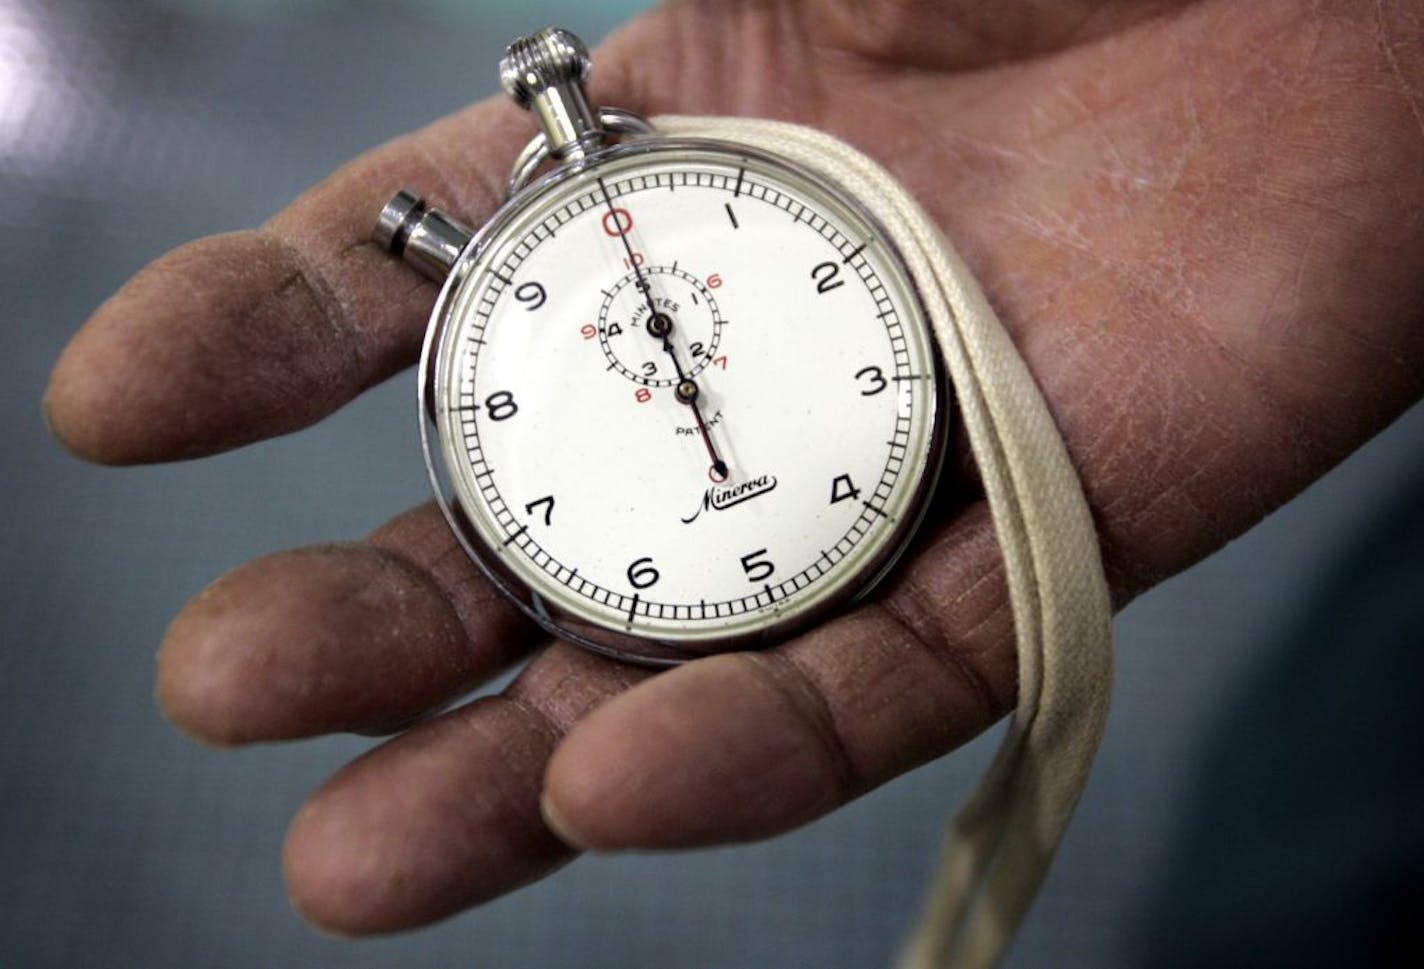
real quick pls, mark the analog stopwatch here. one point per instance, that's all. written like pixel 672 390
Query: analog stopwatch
pixel 678 396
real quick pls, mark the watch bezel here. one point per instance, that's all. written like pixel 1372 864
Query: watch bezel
pixel 567 624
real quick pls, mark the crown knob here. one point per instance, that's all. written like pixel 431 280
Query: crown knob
pixel 540 61
pixel 545 73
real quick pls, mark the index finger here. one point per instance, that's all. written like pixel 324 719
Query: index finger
pixel 253 334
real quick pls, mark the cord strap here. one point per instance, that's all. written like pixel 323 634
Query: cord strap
pixel 998 847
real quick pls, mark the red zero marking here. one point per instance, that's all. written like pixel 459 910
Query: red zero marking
pixel 720 361
pixel 617 221
pixel 589 331
pixel 643 395
pixel 714 281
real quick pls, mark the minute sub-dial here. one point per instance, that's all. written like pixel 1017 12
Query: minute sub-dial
pixel 623 325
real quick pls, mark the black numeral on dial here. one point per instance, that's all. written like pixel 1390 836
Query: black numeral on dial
pixel 827 277
pixel 874 378
pixel 843 489
pixel 548 504
pixel 757 566
pixel 501 405
pixel 641 574
pixel 532 294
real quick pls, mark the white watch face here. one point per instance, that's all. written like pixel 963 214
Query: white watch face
pixel 686 394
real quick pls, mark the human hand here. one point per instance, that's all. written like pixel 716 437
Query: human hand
pixel 1197 221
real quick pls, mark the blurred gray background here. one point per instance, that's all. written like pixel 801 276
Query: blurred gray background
pixel 1260 773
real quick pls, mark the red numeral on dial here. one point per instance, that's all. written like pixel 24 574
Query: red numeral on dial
pixel 617 222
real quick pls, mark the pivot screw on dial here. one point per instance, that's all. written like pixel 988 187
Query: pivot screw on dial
pixel 660 325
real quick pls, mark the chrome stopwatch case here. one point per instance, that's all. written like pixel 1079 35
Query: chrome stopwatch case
pixel 678 396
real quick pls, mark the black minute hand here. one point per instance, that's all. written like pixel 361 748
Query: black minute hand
pixel 660 326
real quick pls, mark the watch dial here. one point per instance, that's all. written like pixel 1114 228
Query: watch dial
pixel 686 394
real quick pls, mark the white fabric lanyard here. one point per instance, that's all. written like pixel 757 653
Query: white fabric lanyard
pixel 998 847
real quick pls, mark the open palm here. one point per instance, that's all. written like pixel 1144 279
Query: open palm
pixel 1199 221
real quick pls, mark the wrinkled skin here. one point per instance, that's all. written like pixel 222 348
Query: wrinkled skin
pixel 1201 223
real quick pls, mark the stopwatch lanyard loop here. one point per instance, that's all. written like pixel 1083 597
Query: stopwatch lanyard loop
pixel 998 847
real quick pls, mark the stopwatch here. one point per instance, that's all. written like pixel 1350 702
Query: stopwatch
pixel 678 396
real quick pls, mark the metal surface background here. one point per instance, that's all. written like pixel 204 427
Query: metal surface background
pixel 130 127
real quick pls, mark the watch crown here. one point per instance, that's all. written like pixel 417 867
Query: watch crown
pixel 550 58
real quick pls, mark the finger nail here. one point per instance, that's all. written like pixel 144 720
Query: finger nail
pixel 558 824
